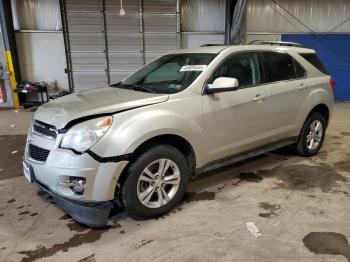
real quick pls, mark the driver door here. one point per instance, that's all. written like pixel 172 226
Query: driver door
pixel 234 121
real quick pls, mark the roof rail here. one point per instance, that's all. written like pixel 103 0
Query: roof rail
pixel 211 45
pixel 280 43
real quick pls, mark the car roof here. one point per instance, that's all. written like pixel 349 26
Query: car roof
pixel 236 48
pixel 205 49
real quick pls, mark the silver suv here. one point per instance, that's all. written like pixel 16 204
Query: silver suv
pixel 138 142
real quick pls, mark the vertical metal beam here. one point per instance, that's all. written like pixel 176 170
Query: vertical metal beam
pixel 178 24
pixel 107 69
pixel 66 40
pixel 230 7
pixel 8 34
pixel 9 37
pixel 142 32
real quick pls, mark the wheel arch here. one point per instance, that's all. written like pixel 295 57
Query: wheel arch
pixel 176 141
pixel 323 110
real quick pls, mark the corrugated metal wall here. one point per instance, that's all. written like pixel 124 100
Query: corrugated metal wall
pixel 295 16
pixel 106 47
pixel 203 15
pixel 203 22
pixel 36 15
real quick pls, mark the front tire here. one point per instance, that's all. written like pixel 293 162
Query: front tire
pixel 312 135
pixel 156 182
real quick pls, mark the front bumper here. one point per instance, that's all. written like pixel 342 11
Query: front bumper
pixel 52 173
pixel 62 164
pixel 92 214
pixel 101 178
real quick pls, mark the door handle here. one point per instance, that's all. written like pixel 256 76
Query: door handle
pixel 259 98
pixel 302 87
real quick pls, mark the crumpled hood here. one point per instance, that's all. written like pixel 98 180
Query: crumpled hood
pixel 61 111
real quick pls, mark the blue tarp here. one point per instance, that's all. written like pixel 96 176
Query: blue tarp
pixel 334 52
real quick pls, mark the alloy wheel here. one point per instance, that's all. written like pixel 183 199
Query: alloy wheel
pixel 314 137
pixel 158 183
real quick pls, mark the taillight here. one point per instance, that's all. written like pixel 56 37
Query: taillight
pixel 332 82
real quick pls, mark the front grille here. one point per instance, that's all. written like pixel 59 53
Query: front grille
pixel 44 129
pixel 38 153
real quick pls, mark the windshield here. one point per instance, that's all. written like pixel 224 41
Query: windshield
pixel 168 74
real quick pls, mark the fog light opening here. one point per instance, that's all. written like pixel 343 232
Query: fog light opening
pixel 77 185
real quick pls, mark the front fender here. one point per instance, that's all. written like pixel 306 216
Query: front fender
pixel 131 129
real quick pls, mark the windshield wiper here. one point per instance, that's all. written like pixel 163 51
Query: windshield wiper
pixel 116 84
pixel 169 82
pixel 142 89
pixel 133 87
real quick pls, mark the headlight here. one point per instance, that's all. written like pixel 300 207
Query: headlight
pixel 86 134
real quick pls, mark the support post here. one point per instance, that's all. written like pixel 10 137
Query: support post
pixel 142 32
pixel 230 8
pixel 107 69
pixel 178 24
pixel 67 45
pixel 11 54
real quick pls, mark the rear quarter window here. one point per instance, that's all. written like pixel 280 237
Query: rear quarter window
pixel 299 70
pixel 316 62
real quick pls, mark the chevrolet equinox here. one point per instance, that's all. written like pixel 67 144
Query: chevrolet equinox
pixel 138 142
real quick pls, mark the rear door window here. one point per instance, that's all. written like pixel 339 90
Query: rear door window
pixel 316 62
pixel 278 67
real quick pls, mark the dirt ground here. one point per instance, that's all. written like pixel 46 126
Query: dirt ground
pixel 300 205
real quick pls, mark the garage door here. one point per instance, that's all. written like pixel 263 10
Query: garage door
pixel 334 52
pixel 104 47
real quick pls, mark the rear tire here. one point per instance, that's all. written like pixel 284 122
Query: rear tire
pixel 155 182
pixel 312 135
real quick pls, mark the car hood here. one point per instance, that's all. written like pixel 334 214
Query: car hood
pixel 61 111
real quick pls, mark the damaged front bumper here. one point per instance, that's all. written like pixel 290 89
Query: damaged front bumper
pixel 92 208
pixel 84 185
pixel 92 214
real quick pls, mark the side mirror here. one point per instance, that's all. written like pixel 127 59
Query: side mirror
pixel 222 84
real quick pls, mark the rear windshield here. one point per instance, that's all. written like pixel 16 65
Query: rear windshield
pixel 316 62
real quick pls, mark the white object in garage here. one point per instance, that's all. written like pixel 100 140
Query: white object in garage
pixel 253 229
pixel 122 11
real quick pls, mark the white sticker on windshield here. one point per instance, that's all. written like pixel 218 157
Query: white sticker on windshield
pixel 193 68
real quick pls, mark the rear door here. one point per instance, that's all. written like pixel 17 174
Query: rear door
pixel 287 84
pixel 234 121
